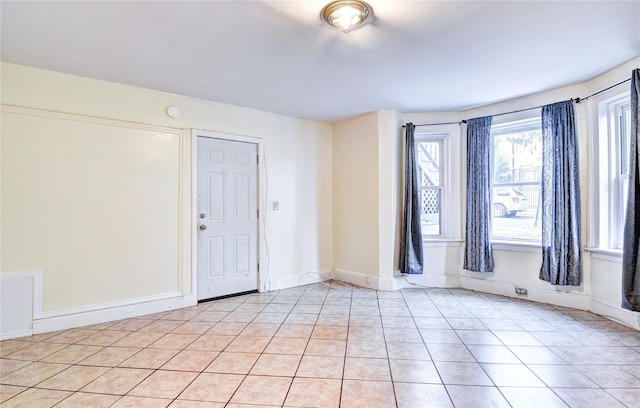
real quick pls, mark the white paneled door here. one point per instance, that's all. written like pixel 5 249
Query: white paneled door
pixel 227 217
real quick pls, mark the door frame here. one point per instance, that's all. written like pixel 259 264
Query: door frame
pixel 195 133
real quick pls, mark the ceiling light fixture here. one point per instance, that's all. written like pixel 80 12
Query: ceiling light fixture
pixel 346 15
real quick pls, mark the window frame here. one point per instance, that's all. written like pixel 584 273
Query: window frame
pixel 450 180
pixel 607 201
pixel 503 125
pixel 438 138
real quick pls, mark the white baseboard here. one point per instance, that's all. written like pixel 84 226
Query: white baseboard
pixel 353 278
pixel 357 279
pixel 431 281
pixel 286 282
pixel 63 319
pixel 22 313
pixel 554 297
pixel 616 313
pixel 15 334
pixel 369 282
pixel 46 321
pixel 391 284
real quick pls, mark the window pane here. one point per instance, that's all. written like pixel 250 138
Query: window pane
pixel 623 136
pixel 429 177
pixel 625 126
pixel 517 170
pixel 429 162
pixel 430 216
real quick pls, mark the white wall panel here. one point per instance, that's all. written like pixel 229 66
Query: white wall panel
pixel 93 203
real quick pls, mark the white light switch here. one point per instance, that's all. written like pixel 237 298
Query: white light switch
pixel 276 206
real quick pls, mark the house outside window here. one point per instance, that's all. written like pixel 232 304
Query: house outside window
pixel 516 174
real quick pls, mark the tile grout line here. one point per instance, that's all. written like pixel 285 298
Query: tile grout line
pixel 543 312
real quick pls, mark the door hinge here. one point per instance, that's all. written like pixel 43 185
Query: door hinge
pixel 258 266
pixel 257 159
pixel 258 213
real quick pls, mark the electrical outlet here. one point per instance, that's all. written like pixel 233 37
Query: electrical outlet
pixel 367 280
pixel 276 206
pixel 521 291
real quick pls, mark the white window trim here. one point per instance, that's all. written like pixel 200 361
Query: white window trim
pixel 502 121
pixel 611 255
pixel 450 220
pixel 440 139
pixel 516 245
pixel 601 145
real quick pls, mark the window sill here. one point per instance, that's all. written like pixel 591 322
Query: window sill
pixel 605 254
pixel 515 246
pixel 441 242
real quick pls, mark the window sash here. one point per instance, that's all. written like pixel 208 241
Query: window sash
pixel 435 166
pixel 437 205
pixel 507 126
pixel 611 124
pixel 620 185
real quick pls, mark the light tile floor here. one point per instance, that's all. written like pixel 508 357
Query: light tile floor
pixel 333 346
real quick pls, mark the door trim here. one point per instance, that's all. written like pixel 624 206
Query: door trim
pixel 195 133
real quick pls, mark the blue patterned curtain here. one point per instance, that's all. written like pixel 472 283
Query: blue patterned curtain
pixel 411 258
pixel 631 246
pixel 561 261
pixel 478 256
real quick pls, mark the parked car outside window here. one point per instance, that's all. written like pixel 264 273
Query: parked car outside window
pixel 507 202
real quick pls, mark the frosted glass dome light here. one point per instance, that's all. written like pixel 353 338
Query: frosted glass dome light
pixel 346 15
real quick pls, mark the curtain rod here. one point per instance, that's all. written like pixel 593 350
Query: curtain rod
pixel 576 100
pixel 441 123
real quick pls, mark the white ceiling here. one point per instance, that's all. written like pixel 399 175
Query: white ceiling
pixel 277 56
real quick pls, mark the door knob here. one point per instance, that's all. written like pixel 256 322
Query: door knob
pixel 202 215
pixel 202 227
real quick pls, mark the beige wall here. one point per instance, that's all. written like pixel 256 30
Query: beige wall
pixel 355 192
pixel 390 178
pixel 367 182
pixel 95 176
